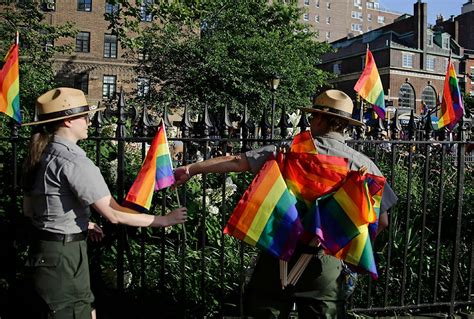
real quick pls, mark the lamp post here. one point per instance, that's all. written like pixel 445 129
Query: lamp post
pixel 273 83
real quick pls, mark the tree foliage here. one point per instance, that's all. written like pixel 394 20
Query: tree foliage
pixel 222 52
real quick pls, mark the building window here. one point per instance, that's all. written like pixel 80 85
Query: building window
pixel 429 40
pixel 306 2
pixel 370 5
pixel 445 42
pixel 316 18
pixel 46 41
pixel 357 3
pixel 143 87
pixel 328 20
pixel 376 5
pixel 356 27
pixel 109 86
pixel 143 56
pixel 110 46
pixel 328 5
pixel 381 19
pixel 145 10
pixel 472 74
pixel 84 5
pixel 81 82
pixel 428 96
pixel 369 17
pixel 306 17
pixel 336 68
pixel 407 60
pixel 317 4
pixel 369 29
pixel 111 8
pixel 430 63
pixel 328 34
pixel 356 15
pixel 83 42
pixel 406 96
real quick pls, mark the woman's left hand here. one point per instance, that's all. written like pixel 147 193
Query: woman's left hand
pixel 95 232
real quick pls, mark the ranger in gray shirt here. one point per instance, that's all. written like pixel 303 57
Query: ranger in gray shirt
pixel 321 290
pixel 60 183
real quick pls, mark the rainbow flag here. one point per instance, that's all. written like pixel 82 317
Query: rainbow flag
pixel 303 143
pixel 310 176
pixel 341 220
pixel 10 85
pixel 452 108
pixel 266 215
pixel 156 173
pixel 369 85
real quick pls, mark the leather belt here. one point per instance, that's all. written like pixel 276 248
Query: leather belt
pixel 66 238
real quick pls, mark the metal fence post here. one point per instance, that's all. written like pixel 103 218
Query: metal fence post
pixel 458 215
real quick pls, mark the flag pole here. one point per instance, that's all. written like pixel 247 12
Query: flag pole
pixel 176 190
pixel 17 38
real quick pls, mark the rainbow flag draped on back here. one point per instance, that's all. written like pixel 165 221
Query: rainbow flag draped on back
pixel 266 215
pixel 369 85
pixel 452 108
pixel 10 85
pixel 341 220
pixel 303 143
pixel 156 173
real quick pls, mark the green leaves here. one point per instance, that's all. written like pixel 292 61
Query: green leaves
pixel 223 52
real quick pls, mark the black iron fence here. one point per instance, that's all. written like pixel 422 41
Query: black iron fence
pixel 425 258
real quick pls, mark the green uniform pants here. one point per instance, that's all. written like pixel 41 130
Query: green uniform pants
pixel 319 293
pixel 59 274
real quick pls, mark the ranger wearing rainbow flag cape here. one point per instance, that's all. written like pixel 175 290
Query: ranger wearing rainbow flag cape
pixel 320 291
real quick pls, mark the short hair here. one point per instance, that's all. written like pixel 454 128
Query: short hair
pixel 336 124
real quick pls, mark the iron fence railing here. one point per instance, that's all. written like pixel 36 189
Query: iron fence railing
pixel 425 258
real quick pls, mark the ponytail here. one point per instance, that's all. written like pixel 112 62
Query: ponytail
pixel 40 138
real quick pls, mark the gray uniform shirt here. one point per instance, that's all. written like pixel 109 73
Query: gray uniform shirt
pixel 332 144
pixel 66 183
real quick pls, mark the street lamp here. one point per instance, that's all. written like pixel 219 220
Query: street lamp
pixel 273 83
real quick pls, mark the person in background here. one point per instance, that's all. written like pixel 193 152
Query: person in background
pixel 321 291
pixel 60 184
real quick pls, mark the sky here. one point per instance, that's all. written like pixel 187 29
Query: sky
pixel 435 7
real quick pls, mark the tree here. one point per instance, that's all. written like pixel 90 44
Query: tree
pixel 222 52
pixel 37 48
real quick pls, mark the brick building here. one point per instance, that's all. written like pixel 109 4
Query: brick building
pixel 97 65
pixel 461 28
pixel 344 18
pixel 411 59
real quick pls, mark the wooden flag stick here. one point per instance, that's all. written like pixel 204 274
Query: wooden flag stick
pixel 185 236
pixel 283 273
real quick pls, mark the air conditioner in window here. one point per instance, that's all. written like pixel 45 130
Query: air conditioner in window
pixel 49 5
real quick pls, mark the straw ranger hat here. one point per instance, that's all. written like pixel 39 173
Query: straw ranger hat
pixel 335 103
pixel 61 103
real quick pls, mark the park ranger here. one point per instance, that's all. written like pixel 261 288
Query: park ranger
pixel 60 184
pixel 322 289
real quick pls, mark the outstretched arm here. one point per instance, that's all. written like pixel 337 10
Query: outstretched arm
pixel 222 164
pixel 117 214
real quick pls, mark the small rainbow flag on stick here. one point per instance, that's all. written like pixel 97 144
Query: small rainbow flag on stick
pixel 10 84
pixel 369 85
pixel 266 215
pixel 156 173
pixel 452 108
